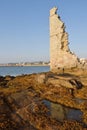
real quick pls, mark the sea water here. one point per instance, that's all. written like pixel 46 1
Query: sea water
pixel 20 70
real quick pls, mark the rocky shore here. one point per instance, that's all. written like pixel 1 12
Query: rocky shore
pixel 44 101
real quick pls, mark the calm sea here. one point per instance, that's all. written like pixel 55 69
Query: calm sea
pixel 14 71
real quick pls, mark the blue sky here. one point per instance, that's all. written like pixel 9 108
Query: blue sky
pixel 24 28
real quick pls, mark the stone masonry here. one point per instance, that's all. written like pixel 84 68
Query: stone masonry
pixel 60 54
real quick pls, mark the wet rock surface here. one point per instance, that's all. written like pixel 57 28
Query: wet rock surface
pixel 44 101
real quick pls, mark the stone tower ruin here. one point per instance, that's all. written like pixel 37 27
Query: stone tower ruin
pixel 60 54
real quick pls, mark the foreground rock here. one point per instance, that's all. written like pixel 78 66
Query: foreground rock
pixel 44 101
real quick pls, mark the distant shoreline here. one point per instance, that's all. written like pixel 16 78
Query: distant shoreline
pixel 21 65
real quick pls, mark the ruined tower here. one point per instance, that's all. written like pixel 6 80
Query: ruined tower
pixel 60 54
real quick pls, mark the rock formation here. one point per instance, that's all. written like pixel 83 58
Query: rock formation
pixel 42 101
pixel 60 54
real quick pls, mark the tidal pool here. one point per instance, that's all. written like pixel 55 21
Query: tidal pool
pixel 61 112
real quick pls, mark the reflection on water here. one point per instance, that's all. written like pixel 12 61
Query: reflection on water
pixel 60 112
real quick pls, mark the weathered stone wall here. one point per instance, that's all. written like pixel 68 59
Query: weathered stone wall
pixel 60 54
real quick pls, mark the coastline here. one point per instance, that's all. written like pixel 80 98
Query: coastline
pixel 36 98
pixel 23 65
